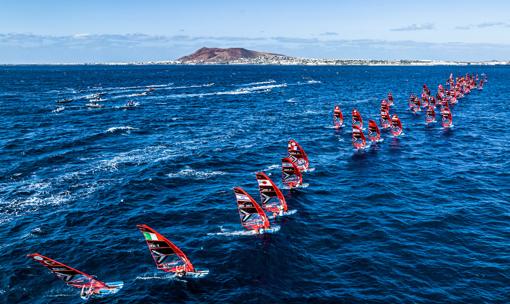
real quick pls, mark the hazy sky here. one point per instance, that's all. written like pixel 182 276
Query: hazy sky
pixel 95 31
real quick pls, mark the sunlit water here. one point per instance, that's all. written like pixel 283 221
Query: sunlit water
pixel 421 218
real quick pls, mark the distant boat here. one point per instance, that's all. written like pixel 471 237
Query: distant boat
pixel 95 105
pixel 67 100
pixel 130 105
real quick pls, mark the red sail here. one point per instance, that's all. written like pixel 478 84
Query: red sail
pixel 396 125
pixel 385 106
pixel 390 98
pixel 297 155
pixel 356 119
pixel 385 120
pixel 414 103
pixel 431 115
pixel 272 199
pixel 338 117
pixel 251 214
pixel 291 175
pixel 373 131
pixel 424 100
pixel 446 117
pixel 69 275
pixel 432 101
pixel 358 139
pixel 166 255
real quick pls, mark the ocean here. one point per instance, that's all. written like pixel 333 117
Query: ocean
pixel 423 218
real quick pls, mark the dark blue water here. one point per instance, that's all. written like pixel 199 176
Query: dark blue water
pixel 419 219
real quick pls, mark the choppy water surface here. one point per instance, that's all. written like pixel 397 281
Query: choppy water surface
pixel 422 218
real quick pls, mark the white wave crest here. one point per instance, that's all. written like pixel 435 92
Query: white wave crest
pixel 272 167
pixel 151 154
pixel 195 174
pixel 58 109
pixel 119 129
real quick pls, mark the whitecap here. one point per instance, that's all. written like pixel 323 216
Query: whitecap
pixel 121 128
pixel 58 109
pixel 195 174
pixel 151 154
pixel 272 167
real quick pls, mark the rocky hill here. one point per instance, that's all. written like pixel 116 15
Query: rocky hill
pixel 225 55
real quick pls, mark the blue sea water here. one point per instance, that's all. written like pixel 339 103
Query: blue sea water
pixel 419 219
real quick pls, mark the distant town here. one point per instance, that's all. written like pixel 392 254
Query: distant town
pixel 331 62
pixel 241 56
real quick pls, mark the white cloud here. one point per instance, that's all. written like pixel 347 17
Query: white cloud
pixel 30 48
pixel 483 25
pixel 415 27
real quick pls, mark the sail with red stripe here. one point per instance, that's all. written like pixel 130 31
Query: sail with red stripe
pixel 373 131
pixel 426 90
pixel 453 97
pixel 298 155
pixel 338 117
pixel 432 101
pixel 251 214
pixel 272 199
pixel 430 116
pixel 89 285
pixel 445 103
pixel 291 175
pixel 358 138
pixel 356 119
pixel 385 120
pixel 385 106
pixel 390 98
pixel 480 85
pixel 424 100
pixel 396 125
pixel 167 256
pixel 446 117
pixel 414 104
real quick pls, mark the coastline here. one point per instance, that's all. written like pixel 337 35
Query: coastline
pixel 255 64
pixel 282 62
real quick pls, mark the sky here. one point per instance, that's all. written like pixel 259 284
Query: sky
pixel 79 31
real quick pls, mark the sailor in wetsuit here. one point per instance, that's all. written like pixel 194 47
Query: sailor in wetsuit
pixel 180 271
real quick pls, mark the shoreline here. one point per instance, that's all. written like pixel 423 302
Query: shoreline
pixel 368 63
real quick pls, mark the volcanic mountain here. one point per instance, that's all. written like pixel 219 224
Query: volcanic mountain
pixel 219 55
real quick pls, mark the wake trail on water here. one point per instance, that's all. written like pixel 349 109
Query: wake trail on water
pixel 227 232
pixel 256 83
